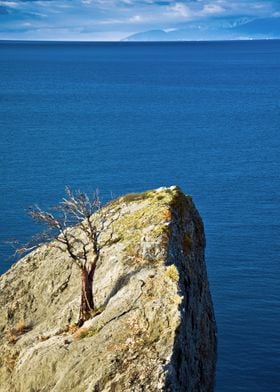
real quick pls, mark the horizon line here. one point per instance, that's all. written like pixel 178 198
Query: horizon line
pixel 140 41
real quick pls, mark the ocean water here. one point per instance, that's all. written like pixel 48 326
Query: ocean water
pixel 126 117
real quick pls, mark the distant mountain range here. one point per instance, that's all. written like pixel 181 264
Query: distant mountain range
pixel 217 29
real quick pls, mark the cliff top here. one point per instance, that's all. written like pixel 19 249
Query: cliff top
pixel 152 306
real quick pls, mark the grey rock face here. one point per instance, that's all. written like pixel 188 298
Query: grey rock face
pixel 154 328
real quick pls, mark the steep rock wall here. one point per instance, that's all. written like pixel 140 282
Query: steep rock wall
pixel 154 329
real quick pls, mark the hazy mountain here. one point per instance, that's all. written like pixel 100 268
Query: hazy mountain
pixel 217 29
pixel 152 35
pixel 269 27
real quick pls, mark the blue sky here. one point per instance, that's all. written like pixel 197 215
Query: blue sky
pixel 116 19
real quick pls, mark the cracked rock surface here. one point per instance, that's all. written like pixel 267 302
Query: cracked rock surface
pixel 154 327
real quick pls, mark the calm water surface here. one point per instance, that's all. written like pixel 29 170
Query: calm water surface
pixel 126 117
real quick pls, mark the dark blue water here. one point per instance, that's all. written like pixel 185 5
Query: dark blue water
pixel 126 117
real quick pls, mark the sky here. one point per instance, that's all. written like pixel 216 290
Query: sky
pixel 113 20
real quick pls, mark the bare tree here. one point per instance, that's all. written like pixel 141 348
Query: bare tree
pixel 78 232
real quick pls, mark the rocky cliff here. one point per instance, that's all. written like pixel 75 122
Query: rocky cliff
pixel 154 327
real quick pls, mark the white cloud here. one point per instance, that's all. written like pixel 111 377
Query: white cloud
pixel 197 10
pixel 136 19
pixel 181 10
pixel 211 9
pixel 109 22
pixel 129 16
pixel 11 4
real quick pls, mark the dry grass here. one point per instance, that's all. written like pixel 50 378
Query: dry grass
pixel 43 338
pixel 167 215
pixel 135 197
pixel 21 327
pixel 81 333
pixel 73 328
pixel 11 336
pixel 9 360
pixel 14 333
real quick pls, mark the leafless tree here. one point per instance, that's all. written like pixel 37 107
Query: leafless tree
pixel 78 232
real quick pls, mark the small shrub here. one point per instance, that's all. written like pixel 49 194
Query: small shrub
pixel 92 331
pixel 73 328
pixel 81 333
pixel 172 273
pixel 86 332
pixel 21 327
pixel 167 215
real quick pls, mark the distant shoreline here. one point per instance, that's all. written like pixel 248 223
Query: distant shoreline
pixel 123 42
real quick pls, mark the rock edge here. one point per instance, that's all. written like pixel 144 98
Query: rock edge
pixel 155 328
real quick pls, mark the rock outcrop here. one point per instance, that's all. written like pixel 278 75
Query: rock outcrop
pixel 154 327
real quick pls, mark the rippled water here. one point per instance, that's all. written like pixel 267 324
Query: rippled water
pixel 126 117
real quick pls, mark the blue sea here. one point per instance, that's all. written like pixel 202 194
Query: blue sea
pixel 126 117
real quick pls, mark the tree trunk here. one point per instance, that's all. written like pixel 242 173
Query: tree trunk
pixel 87 304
